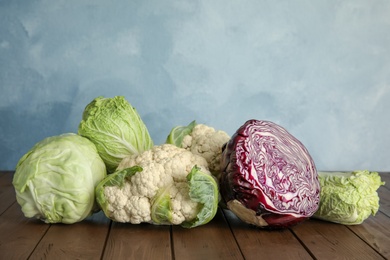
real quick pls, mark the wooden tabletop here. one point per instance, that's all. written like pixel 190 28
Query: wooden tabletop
pixel 225 237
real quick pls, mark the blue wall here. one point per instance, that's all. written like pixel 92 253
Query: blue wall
pixel 319 68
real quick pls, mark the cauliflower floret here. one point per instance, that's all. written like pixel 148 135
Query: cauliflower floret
pixel 138 209
pixel 207 142
pixel 125 208
pixel 183 208
pixel 160 192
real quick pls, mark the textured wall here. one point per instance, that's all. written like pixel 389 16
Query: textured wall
pixel 319 68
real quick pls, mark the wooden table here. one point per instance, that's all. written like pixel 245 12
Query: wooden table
pixel 225 237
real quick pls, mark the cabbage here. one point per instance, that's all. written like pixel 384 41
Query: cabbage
pixel 55 180
pixel 348 197
pixel 268 177
pixel 116 128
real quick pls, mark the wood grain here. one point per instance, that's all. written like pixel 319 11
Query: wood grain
pixel 138 241
pixel 384 200
pixel 255 242
pixel 327 240
pixel 7 191
pixel 61 241
pixel 211 241
pixel 375 231
pixel 385 176
pixel 19 235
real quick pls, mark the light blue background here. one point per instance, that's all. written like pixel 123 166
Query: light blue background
pixel 319 68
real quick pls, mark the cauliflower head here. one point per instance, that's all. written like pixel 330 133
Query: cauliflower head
pixel 203 140
pixel 164 185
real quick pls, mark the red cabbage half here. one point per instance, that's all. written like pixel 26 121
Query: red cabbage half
pixel 269 178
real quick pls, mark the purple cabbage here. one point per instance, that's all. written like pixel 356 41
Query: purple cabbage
pixel 268 177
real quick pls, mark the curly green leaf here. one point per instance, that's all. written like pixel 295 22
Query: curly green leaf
pixel 204 190
pixel 177 134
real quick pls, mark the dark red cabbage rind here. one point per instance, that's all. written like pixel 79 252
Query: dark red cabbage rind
pixel 270 172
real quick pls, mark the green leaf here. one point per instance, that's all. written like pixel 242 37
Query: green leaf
pixel 177 134
pixel 204 190
pixel 161 209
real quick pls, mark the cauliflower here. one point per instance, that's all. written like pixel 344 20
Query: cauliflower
pixel 201 140
pixel 164 185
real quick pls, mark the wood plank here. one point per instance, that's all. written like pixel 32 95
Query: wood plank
pixel 211 241
pixel 376 232
pixel 326 240
pixel 10 175
pixel 7 191
pixel 385 176
pixel 83 240
pixel 19 235
pixel 138 241
pixel 384 200
pixel 256 242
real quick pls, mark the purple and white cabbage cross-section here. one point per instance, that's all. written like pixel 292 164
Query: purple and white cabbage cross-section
pixel 269 178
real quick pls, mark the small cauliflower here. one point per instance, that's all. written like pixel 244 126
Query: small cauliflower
pixel 201 140
pixel 164 185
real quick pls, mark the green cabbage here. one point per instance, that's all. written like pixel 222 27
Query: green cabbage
pixel 116 128
pixel 56 179
pixel 348 197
